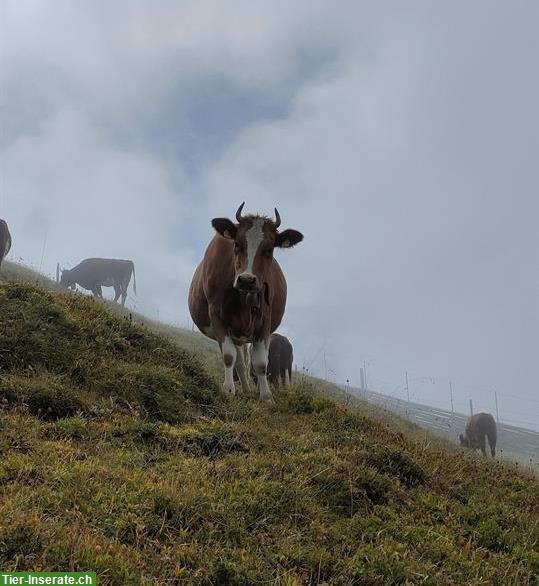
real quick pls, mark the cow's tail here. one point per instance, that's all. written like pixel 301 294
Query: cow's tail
pixel 290 365
pixel 134 278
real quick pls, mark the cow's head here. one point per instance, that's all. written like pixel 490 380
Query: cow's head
pixel 66 280
pixel 464 441
pixel 255 238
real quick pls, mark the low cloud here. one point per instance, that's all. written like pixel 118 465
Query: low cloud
pixel 402 142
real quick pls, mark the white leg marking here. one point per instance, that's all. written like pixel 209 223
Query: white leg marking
pixel 229 359
pixel 260 363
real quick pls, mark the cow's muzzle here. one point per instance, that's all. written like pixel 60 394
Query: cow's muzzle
pixel 246 282
pixel 248 287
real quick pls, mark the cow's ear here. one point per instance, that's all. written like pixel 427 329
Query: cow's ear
pixel 225 227
pixel 288 238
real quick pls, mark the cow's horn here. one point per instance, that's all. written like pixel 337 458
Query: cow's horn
pixel 277 218
pixel 238 213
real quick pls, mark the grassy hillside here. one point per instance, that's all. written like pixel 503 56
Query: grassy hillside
pixel 119 454
pixel 16 273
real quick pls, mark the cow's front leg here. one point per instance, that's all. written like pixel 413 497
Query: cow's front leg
pixel 242 369
pixel 260 364
pixel 229 352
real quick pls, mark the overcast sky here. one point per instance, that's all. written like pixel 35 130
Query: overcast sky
pixel 402 139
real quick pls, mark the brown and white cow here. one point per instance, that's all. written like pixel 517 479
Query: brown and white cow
pixel 5 240
pixel 479 426
pixel 238 292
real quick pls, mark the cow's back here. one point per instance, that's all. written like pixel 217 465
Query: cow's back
pixel 281 345
pixel 480 423
pixel 100 271
pixel 479 427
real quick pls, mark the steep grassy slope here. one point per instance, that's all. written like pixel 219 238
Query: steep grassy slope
pixel 118 454
pixel 16 273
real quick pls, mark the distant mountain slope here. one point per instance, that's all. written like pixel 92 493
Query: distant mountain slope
pixel 119 454
pixel 515 443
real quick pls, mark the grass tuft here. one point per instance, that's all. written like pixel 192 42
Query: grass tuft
pixel 119 454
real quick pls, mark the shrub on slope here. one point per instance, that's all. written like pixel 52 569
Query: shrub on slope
pixel 64 354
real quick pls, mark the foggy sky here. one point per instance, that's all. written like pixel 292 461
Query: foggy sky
pixel 402 140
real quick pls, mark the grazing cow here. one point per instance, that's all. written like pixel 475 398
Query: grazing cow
pixel 94 273
pixel 479 426
pixel 238 292
pixel 5 240
pixel 280 357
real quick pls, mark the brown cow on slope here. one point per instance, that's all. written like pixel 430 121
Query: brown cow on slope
pixel 5 240
pixel 238 292
pixel 479 426
pixel 94 273
pixel 280 358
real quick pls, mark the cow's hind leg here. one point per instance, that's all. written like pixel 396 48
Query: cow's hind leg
pixel 483 446
pixel 117 293
pixel 98 292
pixel 287 377
pixel 492 444
pixel 229 352
pixel 260 364
pixel 124 296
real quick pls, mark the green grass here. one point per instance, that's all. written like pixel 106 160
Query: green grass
pixel 119 454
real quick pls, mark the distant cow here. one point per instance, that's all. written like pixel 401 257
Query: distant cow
pixel 280 358
pixel 479 426
pixel 94 273
pixel 5 240
pixel 238 292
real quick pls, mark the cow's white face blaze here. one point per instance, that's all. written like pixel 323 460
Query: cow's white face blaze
pixel 246 250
